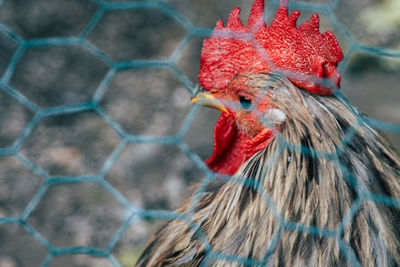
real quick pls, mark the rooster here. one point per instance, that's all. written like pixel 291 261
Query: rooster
pixel 306 166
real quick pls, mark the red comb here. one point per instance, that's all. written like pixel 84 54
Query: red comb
pixel 302 54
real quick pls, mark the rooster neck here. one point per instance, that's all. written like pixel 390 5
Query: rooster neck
pixel 310 176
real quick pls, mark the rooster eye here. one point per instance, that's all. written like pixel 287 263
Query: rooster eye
pixel 245 102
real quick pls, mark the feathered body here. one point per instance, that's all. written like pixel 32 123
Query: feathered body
pixel 311 179
pixel 307 199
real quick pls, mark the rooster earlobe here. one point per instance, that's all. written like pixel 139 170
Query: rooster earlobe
pixel 273 117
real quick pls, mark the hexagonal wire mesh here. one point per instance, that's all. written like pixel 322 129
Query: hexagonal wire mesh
pixel 92 122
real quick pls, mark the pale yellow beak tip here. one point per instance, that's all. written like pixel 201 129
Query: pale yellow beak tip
pixel 194 100
pixel 208 100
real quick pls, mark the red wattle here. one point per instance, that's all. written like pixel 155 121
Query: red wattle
pixel 224 133
pixel 233 147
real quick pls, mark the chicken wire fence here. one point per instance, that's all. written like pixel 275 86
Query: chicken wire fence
pixel 133 213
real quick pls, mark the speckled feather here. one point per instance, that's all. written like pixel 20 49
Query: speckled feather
pixel 304 185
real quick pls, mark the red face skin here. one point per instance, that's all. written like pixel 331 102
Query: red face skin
pixel 239 134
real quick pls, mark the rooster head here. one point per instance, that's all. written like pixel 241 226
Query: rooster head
pixel 233 54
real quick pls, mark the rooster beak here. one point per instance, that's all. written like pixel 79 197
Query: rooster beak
pixel 208 99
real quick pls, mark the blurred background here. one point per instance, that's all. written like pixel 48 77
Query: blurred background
pixel 56 145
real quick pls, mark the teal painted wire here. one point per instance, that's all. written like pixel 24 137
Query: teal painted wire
pixel 134 213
